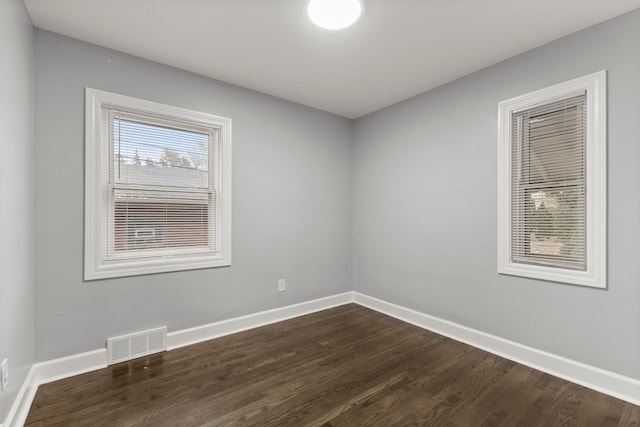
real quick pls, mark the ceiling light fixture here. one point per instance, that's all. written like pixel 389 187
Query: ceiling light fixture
pixel 334 14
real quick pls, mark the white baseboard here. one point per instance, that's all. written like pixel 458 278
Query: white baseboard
pixel 226 327
pixel 65 367
pixel 20 409
pixel 52 370
pixel 607 382
pixel 610 383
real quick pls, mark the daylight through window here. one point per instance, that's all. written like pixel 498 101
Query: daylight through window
pixel 163 178
pixel 548 184
pixel 552 158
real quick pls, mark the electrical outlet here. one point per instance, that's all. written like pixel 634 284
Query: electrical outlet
pixel 282 285
pixel 4 374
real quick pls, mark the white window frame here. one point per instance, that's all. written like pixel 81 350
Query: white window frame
pixel 595 273
pixel 97 266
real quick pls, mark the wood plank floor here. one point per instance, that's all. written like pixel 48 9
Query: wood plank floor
pixel 347 366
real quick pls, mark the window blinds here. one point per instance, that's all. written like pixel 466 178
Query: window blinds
pixel 161 187
pixel 548 184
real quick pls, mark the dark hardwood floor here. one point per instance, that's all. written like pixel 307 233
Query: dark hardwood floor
pixel 347 366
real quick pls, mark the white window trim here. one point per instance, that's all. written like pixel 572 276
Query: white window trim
pixel 596 185
pixel 96 178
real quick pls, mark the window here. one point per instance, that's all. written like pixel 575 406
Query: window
pixel 552 183
pixel 158 188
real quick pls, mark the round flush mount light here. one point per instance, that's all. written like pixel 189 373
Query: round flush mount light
pixel 334 14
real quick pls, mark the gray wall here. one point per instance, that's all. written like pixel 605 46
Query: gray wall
pixel 291 203
pixel 16 188
pixel 424 206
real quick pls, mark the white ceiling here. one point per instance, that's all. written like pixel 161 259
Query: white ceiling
pixel 399 48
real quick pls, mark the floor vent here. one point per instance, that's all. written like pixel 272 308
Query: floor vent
pixel 132 346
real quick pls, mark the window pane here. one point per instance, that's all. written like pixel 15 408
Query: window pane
pixel 150 154
pixel 554 146
pixel 160 225
pixel 554 227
